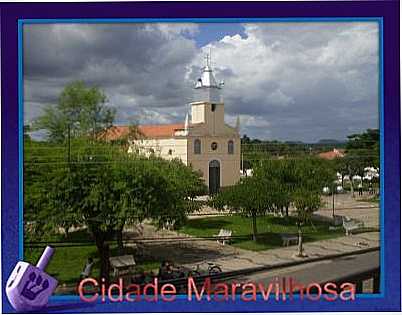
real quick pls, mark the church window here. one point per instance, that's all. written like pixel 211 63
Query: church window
pixel 230 147
pixel 197 146
pixel 214 146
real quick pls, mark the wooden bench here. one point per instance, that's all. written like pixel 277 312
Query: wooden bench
pixel 288 239
pixel 351 225
pixel 122 264
pixel 223 236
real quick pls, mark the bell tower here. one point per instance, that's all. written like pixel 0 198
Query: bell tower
pixel 208 106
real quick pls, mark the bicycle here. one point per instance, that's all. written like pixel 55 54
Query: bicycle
pixel 212 269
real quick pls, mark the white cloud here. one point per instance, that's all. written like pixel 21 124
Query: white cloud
pixel 178 28
pixel 253 121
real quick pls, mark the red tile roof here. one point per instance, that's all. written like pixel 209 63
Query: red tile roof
pixel 330 155
pixel 146 131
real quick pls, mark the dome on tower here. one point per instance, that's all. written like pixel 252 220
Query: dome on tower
pixel 206 88
pixel 207 79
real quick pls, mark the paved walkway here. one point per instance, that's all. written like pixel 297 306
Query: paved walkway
pixel 248 259
pixel 191 252
pixel 346 205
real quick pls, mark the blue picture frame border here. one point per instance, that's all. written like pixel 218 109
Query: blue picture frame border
pixel 22 22
pixel 14 16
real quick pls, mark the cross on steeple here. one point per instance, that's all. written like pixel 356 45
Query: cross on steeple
pixel 208 58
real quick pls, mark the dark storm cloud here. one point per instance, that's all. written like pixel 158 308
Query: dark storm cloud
pixel 135 64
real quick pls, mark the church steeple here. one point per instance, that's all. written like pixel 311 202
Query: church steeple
pixel 206 88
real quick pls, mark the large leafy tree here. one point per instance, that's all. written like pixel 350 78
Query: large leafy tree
pixel 155 188
pixel 80 111
pixel 251 197
pixel 282 180
pixel 102 188
pixel 42 159
pixel 313 174
pixel 364 150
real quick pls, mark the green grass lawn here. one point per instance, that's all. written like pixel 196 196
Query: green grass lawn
pixel 269 229
pixel 68 262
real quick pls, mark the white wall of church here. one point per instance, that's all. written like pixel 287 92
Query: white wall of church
pixel 168 149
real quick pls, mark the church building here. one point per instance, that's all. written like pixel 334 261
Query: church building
pixel 205 141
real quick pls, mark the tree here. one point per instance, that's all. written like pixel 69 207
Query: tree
pixel 245 139
pixel 306 203
pixel 155 188
pixel 365 148
pixel 40 160
pixel 81 111
pixel 282 178
pixel 313 174
pixel 103 188
pixel 184 185
pixel 249 197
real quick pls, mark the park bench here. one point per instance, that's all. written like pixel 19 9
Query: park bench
pixel 288 239
pixel 122 264
pixel 223 236
pixel 351 225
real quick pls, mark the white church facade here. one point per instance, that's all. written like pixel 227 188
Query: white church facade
pixel 205 141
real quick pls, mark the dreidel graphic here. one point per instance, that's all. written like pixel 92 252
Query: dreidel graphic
pixel 29 287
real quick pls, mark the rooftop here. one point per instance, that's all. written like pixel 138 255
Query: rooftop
pixel 145 131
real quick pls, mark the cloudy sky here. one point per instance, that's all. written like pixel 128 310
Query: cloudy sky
pixel 286 81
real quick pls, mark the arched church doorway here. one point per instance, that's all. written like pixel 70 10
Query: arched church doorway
pixel 214 176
